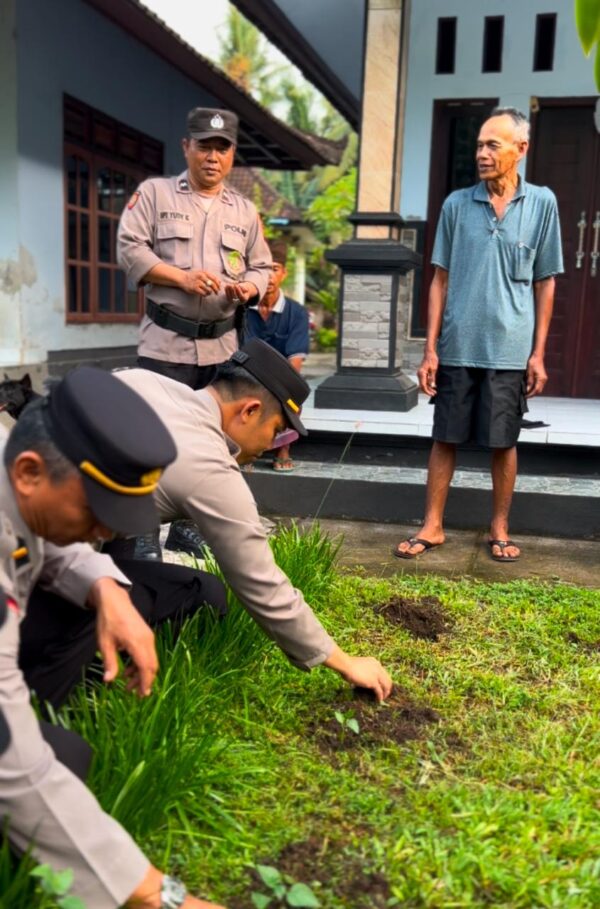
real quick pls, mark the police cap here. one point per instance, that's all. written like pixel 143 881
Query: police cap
pixel 116 440
pixel 277 375
pixel 209 122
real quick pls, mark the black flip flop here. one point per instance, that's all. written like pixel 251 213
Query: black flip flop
pixel 413 542
pixel 503 545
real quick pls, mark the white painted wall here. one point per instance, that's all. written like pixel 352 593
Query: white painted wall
pixel 67 47
pixel 572 73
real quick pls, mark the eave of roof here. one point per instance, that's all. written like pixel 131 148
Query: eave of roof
pixel 251 184
pixel 264 141
pixel 275 25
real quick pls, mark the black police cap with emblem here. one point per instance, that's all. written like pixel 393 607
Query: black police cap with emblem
pixel 116 440
pixel 277 375
pixel 209 122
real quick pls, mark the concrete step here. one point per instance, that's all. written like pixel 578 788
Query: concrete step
pixel 556 505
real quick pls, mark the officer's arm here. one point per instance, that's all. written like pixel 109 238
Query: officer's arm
pixel 135 237
pixel 48 805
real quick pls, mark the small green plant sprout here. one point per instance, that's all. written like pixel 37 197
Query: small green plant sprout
pixel 283 891
pixel 347 722
pixel 56 885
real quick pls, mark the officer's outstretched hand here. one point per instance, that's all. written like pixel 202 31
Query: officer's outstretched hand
pixel 363 672
pixel 119 626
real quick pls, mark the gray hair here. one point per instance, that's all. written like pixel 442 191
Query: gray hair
pixel 518 118
pixel 30 433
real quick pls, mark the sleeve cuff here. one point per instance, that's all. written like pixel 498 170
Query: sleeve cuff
pixel 145 259
pixel 75 585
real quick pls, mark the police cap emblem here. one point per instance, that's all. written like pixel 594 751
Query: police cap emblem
pixel 217 122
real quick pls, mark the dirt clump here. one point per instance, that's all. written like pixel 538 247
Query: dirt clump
pixel 587 646
pixel 398 720
pixel 424 618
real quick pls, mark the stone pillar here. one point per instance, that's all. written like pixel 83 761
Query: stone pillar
pixel 375 264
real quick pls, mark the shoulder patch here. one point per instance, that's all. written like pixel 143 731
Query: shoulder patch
pixel 133 200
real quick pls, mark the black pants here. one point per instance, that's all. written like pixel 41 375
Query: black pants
pixel 58 639
pixel 196 377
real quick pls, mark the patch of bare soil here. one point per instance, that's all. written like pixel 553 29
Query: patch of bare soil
pixel 398 720
pixel 317 860
pixel 587 646
pixel 424 618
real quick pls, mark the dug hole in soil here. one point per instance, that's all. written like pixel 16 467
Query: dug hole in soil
pixel 326 865
pixel 397 720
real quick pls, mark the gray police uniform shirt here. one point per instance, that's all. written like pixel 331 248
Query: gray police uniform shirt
pixel 205 484
pixel 43 800
pixel 489 317
pixel 165 222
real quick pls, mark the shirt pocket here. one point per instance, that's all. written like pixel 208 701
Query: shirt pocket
pixel 233 254
pixel 523 260
pixel 174 243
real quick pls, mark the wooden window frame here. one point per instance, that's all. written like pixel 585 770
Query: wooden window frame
pixel 88 135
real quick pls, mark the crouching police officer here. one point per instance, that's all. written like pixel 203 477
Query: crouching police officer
pixel 255 395
pixel 83 465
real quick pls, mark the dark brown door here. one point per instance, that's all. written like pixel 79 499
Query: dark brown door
pixel 565 155
pixel 454 136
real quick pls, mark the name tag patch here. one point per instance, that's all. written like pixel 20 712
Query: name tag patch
pixel 236 229
pixel 173 216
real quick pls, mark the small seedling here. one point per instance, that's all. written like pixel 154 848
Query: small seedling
pixel 347 722
pixel 56 884
pixel 284 891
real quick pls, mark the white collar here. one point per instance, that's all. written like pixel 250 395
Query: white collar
pixel 279 305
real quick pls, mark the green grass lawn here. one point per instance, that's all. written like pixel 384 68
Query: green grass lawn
pixel 479 785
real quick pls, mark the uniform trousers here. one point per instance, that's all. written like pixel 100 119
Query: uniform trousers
pixel 58 639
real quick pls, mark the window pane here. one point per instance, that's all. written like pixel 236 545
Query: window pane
pixel 132 301
pixel 119 291
pixel 85 289
pixel 119 192
pixel 493 37
pixel 446 45
pixel 545 37
pixel 104 239
pixel 72 231
pixel 72 289
pixel 85 238
pixel 103 183
pixel 71 168
pixel 103 290
pixel 84 184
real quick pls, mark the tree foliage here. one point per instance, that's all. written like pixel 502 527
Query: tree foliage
pixel 587 19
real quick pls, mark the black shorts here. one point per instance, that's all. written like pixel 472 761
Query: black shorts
pixel 484 406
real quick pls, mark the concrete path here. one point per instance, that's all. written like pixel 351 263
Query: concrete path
pixel 465 553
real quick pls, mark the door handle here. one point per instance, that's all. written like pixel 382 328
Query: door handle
pixel 595 255
pixel 580 255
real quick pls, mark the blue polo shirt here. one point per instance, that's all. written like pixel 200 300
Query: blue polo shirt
pixel 286 328
pixel 489 316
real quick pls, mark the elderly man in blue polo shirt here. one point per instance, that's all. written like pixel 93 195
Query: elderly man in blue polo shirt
pixel 496 253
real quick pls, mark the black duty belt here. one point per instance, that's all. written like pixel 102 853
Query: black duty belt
pixel 166 318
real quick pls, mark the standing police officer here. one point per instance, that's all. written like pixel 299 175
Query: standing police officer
pixel 198 249
pixel 79 465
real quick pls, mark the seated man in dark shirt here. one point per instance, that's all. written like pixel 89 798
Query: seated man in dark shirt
pixel 282 323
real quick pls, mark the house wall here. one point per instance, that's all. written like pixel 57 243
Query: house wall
pixel 67 47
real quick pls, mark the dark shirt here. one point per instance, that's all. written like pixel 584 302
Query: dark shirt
pixel 286 331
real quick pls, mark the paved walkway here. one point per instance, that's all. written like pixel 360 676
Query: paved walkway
pixel 465 553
